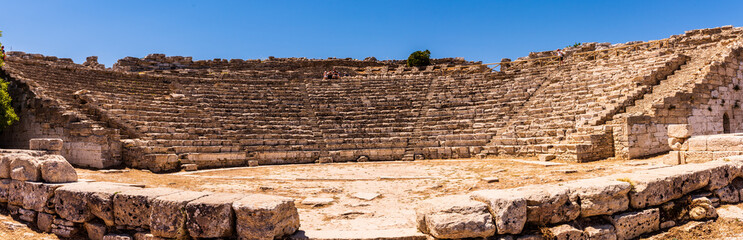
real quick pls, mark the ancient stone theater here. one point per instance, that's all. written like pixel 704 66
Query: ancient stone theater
pixel 678 97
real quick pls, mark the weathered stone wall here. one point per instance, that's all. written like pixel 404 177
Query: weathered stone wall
pixel 42 190
pixel 704 148
pixel 85 144
pixel 160 62
pixel 712 94
pixel 622 206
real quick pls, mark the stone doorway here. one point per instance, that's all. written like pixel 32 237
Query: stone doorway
pixel 725 123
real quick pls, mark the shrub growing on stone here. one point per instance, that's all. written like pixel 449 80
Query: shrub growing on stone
pixel 419 58
pixel 7 114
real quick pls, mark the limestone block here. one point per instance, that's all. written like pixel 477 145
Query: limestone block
pixel 546 157
pixel 724 143
pixel 721 173
pixel 38 196
pixel 146 236
pixel 132 207
pixel 46 144
pixel 657 186
pixel 15 193
pixel 56 169
pixel 95 231
pixel 168 217
pixel 697 143
pixel 162 162
pixel 454 217
pixel 674 158
pixel 682 131
pixel 63 228
pixel 27 215
pixel 675 143
pixel 5 189
pixel 567 232
pixel 259 216
pixel 44 222
pixel 25 168
pixel 211 216
pixel 190 167
pixel 600 232
pixel 549 204
pixel 83 201
pixel 701 208
pixel 728 194
pixel 688 178
pixel 697 156
pixel 630 225
pixel 5 160
pixel 508 209
pixel 600 196
pixel 117 237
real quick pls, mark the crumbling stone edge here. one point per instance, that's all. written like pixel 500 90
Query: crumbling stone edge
pixel 620 206
pixel 42 189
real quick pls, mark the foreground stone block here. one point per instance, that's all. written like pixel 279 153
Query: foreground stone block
pixel 721 173
pixel 549 204
pixel 507 207
pixel 454 217
pixel 168 217
pixel 56 169
pixel 601 232
pixel 567 232
pixel 15 193
pixel 259 216
pixel 5 190
pixel 26 215
pixel 46 144
pixel 25 168
pixel 39 196
pixel 132 208
pixel 655 187
pixel 65 229
pixel 211 216
pixel 83 201
pixel 728 194
pixel 44 222
pixel 600 196
pixel 5 160
pixel 96 231
pixel 630 225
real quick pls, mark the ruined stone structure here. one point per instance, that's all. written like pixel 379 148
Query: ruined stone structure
pixel 161 113
pixel 623 206
pixel 42 189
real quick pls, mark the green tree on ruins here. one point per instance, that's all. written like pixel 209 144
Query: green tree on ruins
pixel 419 58
pixel 7 114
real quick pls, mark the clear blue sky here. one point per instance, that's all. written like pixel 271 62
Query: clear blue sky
pixel 477 30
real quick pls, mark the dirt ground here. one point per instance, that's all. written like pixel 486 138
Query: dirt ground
pixel 400 185
pixel 726 227
pixel 12 229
